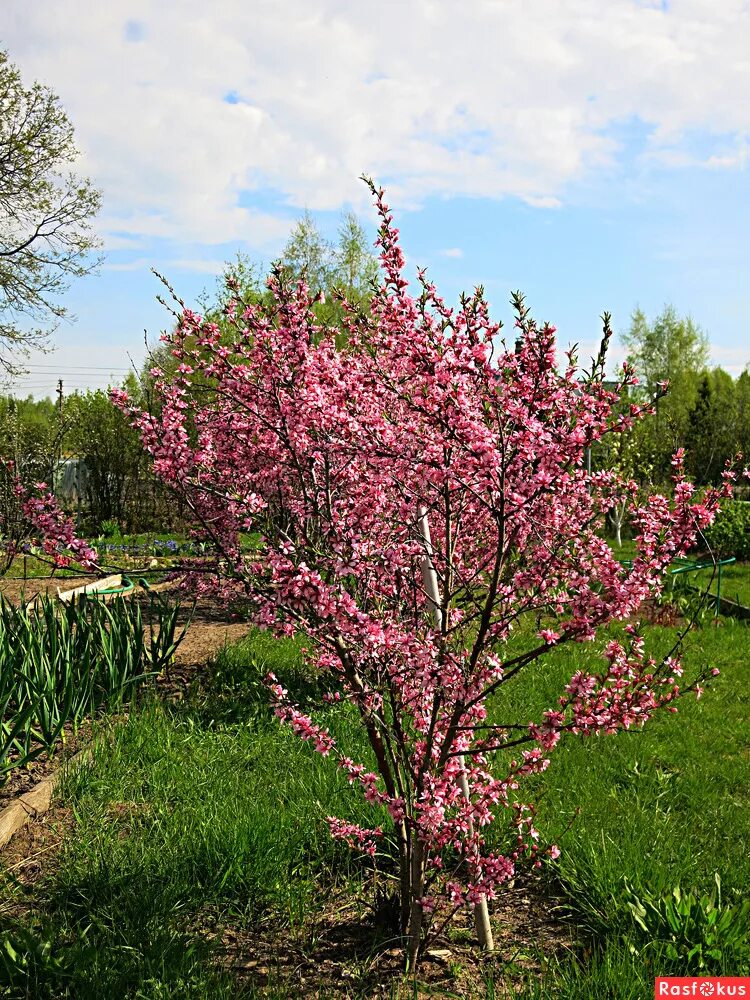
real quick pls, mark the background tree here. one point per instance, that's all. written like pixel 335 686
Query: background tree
pixel 31 442
pixel 670 349
pixel 347 266
pixel 356 267
pixel 45 214
pixel 307 253
pixel 626 456
pixel 118 485
pixel 712 428
pixel 742 400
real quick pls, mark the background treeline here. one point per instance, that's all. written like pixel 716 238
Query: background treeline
pixel 706 411
pixel 85 448
pixel 84 443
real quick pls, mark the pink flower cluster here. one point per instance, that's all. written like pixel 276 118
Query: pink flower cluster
pixel 355 836
pixel 58 539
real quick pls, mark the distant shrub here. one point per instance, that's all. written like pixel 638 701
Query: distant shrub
pixel 729 535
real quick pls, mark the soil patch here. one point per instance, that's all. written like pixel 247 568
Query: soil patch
pixel 23 779
pixel 37 844
pixel 343 951
pixel 18 591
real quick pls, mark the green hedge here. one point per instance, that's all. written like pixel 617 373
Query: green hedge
pixel 730 534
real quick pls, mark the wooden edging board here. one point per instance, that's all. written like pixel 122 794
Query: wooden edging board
pixel 35 803
pixel 107 583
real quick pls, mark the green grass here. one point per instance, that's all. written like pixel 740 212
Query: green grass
pixel 663 806
pixel 735 578
pixel 188 813
pixel 209 813
pixel 640 790
pixel 735 582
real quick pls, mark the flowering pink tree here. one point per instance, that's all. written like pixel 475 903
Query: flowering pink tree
pixel 426 519
pixel 35 522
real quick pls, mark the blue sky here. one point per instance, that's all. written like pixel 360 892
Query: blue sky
pixel 593 155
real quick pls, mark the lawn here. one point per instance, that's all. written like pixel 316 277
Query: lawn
pixel 201 825
pixel 735 582
pixel 735 577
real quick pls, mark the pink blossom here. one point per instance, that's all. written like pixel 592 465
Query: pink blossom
pixel 335 450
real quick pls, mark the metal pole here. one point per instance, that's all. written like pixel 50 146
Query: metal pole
pixel 430 581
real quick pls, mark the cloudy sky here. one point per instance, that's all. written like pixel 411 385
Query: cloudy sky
pixel 593 154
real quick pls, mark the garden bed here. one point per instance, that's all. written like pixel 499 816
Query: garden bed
pixel 200 862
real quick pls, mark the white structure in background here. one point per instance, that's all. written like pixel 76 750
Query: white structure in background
pixel 71 480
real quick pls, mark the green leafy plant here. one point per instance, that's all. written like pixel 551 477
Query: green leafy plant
pixel 688 599
pixel 111 531
pixel 698 932
pixel 730 534
pixel 59 663
pixel 26 955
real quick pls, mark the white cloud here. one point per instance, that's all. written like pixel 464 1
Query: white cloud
pixel 198 266
pixel 543 201
pixel 452 252
pixel 486 99
pixel 734 358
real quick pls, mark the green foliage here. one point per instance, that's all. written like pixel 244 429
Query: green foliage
pixel 58 663
pixel 31 439
pixel 705 410
pixel 45 211
pixel 698 933
pixel 209 814
pixel 670 349
pixel 742 400
pixel 115 483
pixel 729 535
pixel 712 423
pixel 348 266
pixel 27 956
pixel 111 531
pixel 190 817
pixel 117 471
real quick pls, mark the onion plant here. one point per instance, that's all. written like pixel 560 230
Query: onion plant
pixel 60 663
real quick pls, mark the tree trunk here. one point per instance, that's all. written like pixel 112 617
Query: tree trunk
pixel 416 914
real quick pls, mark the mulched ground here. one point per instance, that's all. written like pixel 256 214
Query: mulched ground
pixel 33 852
pixel 23 779
pixel 343 950
pixel 25 590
